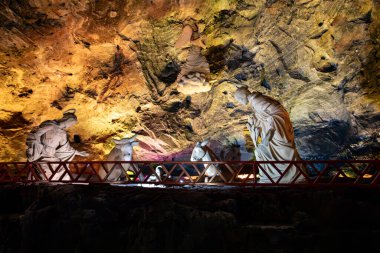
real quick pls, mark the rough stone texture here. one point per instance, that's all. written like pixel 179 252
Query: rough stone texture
pixel 320 59
pixel 117 219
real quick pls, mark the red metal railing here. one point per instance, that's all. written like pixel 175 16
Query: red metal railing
pixel 313 173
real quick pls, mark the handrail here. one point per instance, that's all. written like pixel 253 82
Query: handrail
pixel 231 173
pixel 213 162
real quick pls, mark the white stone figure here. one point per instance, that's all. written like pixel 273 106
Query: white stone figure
pixel 156 177
pixel 158 172
pixel 121 152
pixel 202 153
pixel 195 71
pixel 194 74
pixel 272 134
pixel 49 142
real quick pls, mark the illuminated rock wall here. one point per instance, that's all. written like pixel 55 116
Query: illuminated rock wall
pixel 320 58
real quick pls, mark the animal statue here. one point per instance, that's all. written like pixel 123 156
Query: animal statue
pixel 231 152
pixel 203 153
pixel 121 152
pixel 158 176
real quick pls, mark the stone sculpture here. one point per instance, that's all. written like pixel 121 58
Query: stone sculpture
pixel 195 72
pixel 190 34
pixel 273 136
pixel 121 152
pixel 203 153
pixel 49 142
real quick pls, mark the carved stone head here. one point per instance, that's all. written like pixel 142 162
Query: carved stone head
pixel 199 151
pixel 241 95
pixel 69 119
pixel 126 147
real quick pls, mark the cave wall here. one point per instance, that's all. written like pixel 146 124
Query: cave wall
pixel 321 60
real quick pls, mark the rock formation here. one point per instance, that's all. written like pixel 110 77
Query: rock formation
pixel 321 60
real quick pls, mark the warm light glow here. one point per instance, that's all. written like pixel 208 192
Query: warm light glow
pixel 247 176
pixel 192 177
pixel 367 176
pixel 351 176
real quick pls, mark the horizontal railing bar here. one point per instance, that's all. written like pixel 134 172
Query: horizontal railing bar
pixel 314 173
pixel 206 162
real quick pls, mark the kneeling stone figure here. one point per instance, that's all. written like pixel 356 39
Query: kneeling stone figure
pixel 49 142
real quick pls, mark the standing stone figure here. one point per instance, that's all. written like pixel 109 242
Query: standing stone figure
pixel 49 142
pixel 272 134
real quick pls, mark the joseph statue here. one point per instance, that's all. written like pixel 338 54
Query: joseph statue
pixel 273 136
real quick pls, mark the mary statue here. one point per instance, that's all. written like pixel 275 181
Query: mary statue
pixel 49 142
pixel 273 136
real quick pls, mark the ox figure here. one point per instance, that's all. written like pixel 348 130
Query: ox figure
pixel 121 152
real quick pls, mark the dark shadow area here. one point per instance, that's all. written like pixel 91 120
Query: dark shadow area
pixel 97 218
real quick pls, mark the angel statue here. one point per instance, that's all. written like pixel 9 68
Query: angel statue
pixel 49 142
pixel 273 137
